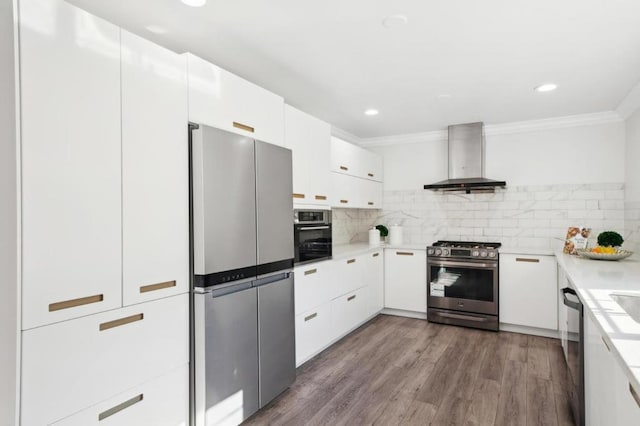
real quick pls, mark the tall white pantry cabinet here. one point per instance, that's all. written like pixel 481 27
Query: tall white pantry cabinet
pixel 104 195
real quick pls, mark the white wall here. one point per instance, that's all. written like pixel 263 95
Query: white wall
pixel 8 220
pixel 577 155
pixel 632 180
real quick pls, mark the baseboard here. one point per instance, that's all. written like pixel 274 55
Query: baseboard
pixel 401 313
pixel 534 331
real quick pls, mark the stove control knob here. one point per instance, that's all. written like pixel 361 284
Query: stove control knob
pixel 475 253
pixel 492 254
pixel 430 251
pixel 438 252
pixel 483 254
pixel 445 252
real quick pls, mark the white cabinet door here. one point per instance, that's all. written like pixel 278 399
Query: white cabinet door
pixel 405 280
pixel 348 274
pixel 71 169
pixel 627 398
pixel 155 172
pixel 370 193
pixel 221 99
pixel 352 160
pixel 160 402
pixel 373 279
pixel 599 392
pixel 529 291
pixel 372 164
pixel 72 365
pixel 314 285
pixel 348 311
pixel 313 332
pixel 343 191
pixel 309 139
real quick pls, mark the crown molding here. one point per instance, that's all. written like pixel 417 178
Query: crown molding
pixel 630 104
pixel 593 119
pixel 344 135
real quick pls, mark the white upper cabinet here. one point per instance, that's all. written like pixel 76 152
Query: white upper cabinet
pixel 310 141
pixel 155 171
pixel 354 192
pixel 221 99
pixel 71 167
pixel 528 291
pixel 352 160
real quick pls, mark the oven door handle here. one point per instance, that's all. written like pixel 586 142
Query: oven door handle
pixel 312 228
pixel 570 303
pixel 465 264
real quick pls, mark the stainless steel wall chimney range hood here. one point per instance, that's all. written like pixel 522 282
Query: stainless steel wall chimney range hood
pixel 466 161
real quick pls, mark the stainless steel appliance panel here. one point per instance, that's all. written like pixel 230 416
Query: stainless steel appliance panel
pixel 574 344
pixel 276 332
pixel 224 202
pixel 274 203
pixel 231 354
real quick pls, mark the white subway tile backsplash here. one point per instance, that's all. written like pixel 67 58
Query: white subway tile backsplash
pixel 518 216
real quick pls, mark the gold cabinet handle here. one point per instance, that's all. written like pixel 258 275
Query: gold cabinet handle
pixel 66 304
pixel 526 259
pixel 296 195
pixel 321 197
pixel 351 261
pixel 310 317
pixel 310 271
pixel 350 298
pixel 634 394
pixel 120 322
pixel 344 201
pixel 122 406
pixel 404 253
pixel 375 254
pixel 370 174
pixel 370 203
pixel 243 127
pixel 345 168
pixel 155 287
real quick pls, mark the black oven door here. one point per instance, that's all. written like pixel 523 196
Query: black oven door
pixel 312 242
pixel 467 286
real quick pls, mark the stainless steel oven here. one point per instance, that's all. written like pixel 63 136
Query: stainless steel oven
pixel 312 235
pixel 462 280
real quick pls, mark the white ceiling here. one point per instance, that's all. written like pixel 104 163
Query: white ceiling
pixel 334 59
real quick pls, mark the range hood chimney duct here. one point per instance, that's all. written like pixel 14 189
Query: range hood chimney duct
pixel 466 161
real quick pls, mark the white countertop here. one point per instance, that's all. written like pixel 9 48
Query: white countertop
pixel 595 280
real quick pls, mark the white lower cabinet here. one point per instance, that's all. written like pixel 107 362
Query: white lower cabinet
pixel 348 311
pixel 163 401
pixel 529 291
pixel 373 279
pixel 405 280
pixel 72 365
pixel 608 394
pixel 314 285
pixel 313 332
pixel 348 274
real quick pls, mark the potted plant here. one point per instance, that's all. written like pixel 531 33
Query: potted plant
pixel 383 231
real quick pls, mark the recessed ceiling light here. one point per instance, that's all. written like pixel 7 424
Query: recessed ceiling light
pixel 156 29
pixel 395 21
pixel 371 112
pixel 547 87
pixel 194 3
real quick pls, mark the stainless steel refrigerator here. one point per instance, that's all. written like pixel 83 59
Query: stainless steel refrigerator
pixel 243 312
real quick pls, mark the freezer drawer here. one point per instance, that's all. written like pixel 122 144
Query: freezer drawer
pixel 276 331
pixel 226 355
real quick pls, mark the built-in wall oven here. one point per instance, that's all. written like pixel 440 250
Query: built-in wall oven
pixel 312 235
pixel 462 284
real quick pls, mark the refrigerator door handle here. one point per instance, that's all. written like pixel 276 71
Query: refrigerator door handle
pixel 223 291
pixel 271 279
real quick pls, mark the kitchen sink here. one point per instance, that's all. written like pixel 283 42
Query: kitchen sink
pixel 631 304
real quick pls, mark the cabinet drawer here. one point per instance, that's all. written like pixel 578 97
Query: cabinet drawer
pixel 313 332
pixel 313 285
pixel 72 365
pixel 348 311
pixel 348 275
pixel 162 401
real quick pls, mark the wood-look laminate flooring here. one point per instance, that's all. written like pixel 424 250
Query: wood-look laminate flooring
pixel 396 370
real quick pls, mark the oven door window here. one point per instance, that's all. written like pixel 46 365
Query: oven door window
pixel 462 282
pixel 312 244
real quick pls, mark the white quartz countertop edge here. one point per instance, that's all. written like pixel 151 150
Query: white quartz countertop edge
pixel 595 281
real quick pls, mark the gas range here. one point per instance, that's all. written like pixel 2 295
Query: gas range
pixel 463 250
